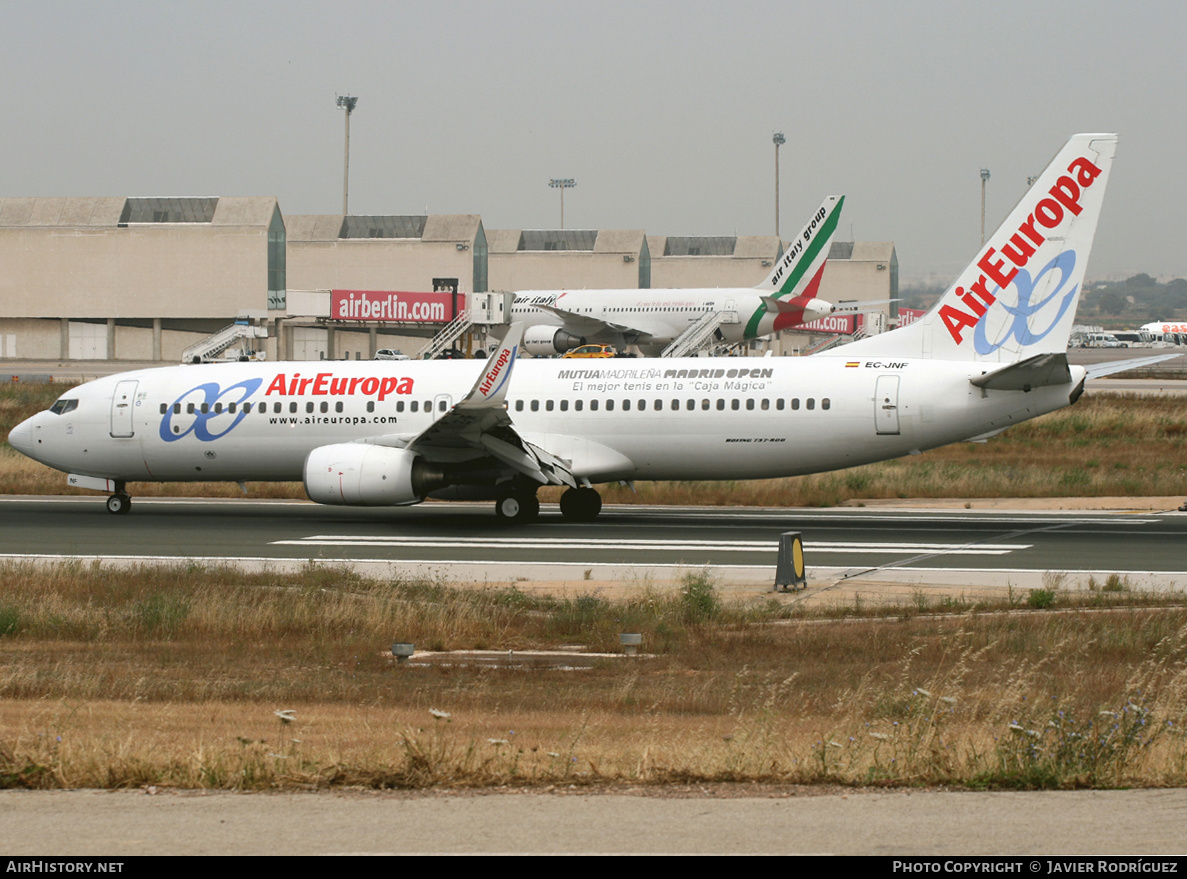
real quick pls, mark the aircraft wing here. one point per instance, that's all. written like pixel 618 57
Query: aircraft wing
pixel 581 324
pixel 479 426
pixel 589 327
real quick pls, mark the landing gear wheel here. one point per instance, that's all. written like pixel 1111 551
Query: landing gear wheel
pixel 119 503
pixel 517 507
pixel 581 504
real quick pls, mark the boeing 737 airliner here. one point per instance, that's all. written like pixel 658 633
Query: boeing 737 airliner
pixel 557 321
pixel 990 354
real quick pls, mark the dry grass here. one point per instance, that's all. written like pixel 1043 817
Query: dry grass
pixel 127 678
pixel 1104 446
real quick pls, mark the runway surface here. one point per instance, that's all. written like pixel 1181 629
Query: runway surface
pixel 700 820
pixel 628 544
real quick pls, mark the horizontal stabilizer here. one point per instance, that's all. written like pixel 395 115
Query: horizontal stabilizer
pixel 780 306
pixel 1099 370
pixel 864 305
pixel 1039 371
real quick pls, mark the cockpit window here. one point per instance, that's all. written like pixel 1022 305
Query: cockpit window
pixel 62 406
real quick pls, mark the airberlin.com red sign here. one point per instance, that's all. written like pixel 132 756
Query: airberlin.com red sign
pixel 396 306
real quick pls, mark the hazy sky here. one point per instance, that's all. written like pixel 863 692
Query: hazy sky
pixel 662 112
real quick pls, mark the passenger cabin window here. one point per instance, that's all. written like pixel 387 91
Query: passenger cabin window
pixel 519 405
pixel 811 403
pixel 371 406
pixel 826 403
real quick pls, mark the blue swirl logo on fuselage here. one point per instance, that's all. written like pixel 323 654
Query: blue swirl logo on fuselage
pixel 1020 329
pixel 210 419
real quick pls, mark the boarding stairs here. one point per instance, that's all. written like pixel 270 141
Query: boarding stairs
pixel 699 334
pixel 449 334
pixel 216 343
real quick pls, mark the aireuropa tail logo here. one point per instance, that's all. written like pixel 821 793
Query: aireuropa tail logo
pixel 1060 201
pixel 1018 320
pixel 208 411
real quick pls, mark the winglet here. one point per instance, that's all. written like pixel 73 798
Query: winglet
pixel 491 388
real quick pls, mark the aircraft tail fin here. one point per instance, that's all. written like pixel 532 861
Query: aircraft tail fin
pixel 1018 298
pixel 797 273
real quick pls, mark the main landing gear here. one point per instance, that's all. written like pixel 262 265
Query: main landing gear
pixel 581 504
pixel 519 505
pixel 119 503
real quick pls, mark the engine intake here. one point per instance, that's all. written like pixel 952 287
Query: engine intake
pixel 358 474
pixel 544 341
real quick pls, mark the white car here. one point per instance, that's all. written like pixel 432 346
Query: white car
pixel 391 354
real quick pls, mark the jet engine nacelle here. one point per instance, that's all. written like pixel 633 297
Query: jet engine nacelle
pixel 359 474
pixel 545 341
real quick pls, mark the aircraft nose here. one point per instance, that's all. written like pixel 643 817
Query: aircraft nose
pixel 21 437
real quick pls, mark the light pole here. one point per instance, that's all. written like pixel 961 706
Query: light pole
pixel 984 180
pixel 562 184
pixel 347 102
pixel 779 140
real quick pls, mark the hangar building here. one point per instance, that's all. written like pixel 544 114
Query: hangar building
pixel 129 278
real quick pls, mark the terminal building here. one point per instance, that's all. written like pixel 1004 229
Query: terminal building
pixel 151 279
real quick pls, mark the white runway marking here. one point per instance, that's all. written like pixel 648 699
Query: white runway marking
pixel 648 545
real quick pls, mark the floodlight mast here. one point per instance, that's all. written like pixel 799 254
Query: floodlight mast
pixel 347 102
pixel 562 184
pixel 778 140
pixel 984 180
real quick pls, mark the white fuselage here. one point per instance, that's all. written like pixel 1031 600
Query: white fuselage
pixel 696 418
pixel 655 318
